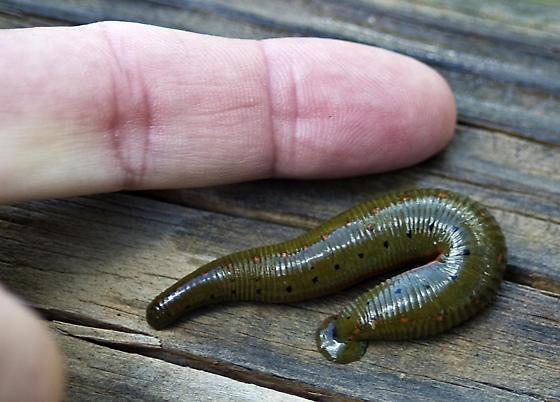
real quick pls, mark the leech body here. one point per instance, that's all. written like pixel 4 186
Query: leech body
pixel 459 243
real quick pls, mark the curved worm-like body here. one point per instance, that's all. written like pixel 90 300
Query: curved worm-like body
pixel 456 246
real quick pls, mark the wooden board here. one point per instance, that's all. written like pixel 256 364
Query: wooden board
pixel 125 376
pixel 98 261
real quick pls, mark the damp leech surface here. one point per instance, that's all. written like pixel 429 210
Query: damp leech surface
pixel 454 247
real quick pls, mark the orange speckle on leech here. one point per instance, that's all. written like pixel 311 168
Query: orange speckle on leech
pixel 375 211
pixel 404 320
pixel 439 317
pixel 356 331
pixel 441 194
pixel 499 259
pixel 325 237
pixel 256 259
pixel 284 254
pixel 370 226
pixel 476 301
pixel 405 198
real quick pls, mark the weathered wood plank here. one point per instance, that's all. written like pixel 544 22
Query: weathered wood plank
pixel 504 73
pixel 103 258
pixel 99 373
pixel 523 173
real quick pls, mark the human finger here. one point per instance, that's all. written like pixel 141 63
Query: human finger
pixel 115 106
pixel 30 366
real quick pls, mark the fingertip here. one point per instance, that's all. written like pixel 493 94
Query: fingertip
pixel 341 108
pixel 430 123
pixel 31 365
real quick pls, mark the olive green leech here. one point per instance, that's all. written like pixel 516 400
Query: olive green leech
pixel 458 244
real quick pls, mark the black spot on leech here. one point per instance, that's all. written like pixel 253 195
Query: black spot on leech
pixel 348 317
pixel 312 267
pixel 455 228
pixel 258 291
pixel 212 296
pixel 233 292
pixel 409 234
pixel 289 289
pixel 431 227
pixel 466 252
pixel 256 279
pixel 337 267
pixel 361 255
pixel 452 277
pixel 386 243
pixel 315 279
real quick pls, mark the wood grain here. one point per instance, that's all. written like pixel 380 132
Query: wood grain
pixel 103 374
pixel 103 258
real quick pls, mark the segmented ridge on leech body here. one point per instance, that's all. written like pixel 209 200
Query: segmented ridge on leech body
pixel 441 294
pixel 458 245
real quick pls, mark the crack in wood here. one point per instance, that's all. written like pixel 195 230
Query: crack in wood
pixel 55 314
pixel 127 340
pixel 107 336
pixel 215 366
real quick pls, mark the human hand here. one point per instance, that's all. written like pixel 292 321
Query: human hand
pixel 114 106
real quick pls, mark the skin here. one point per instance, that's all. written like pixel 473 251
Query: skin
pixel 30 367
pixel 114 106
